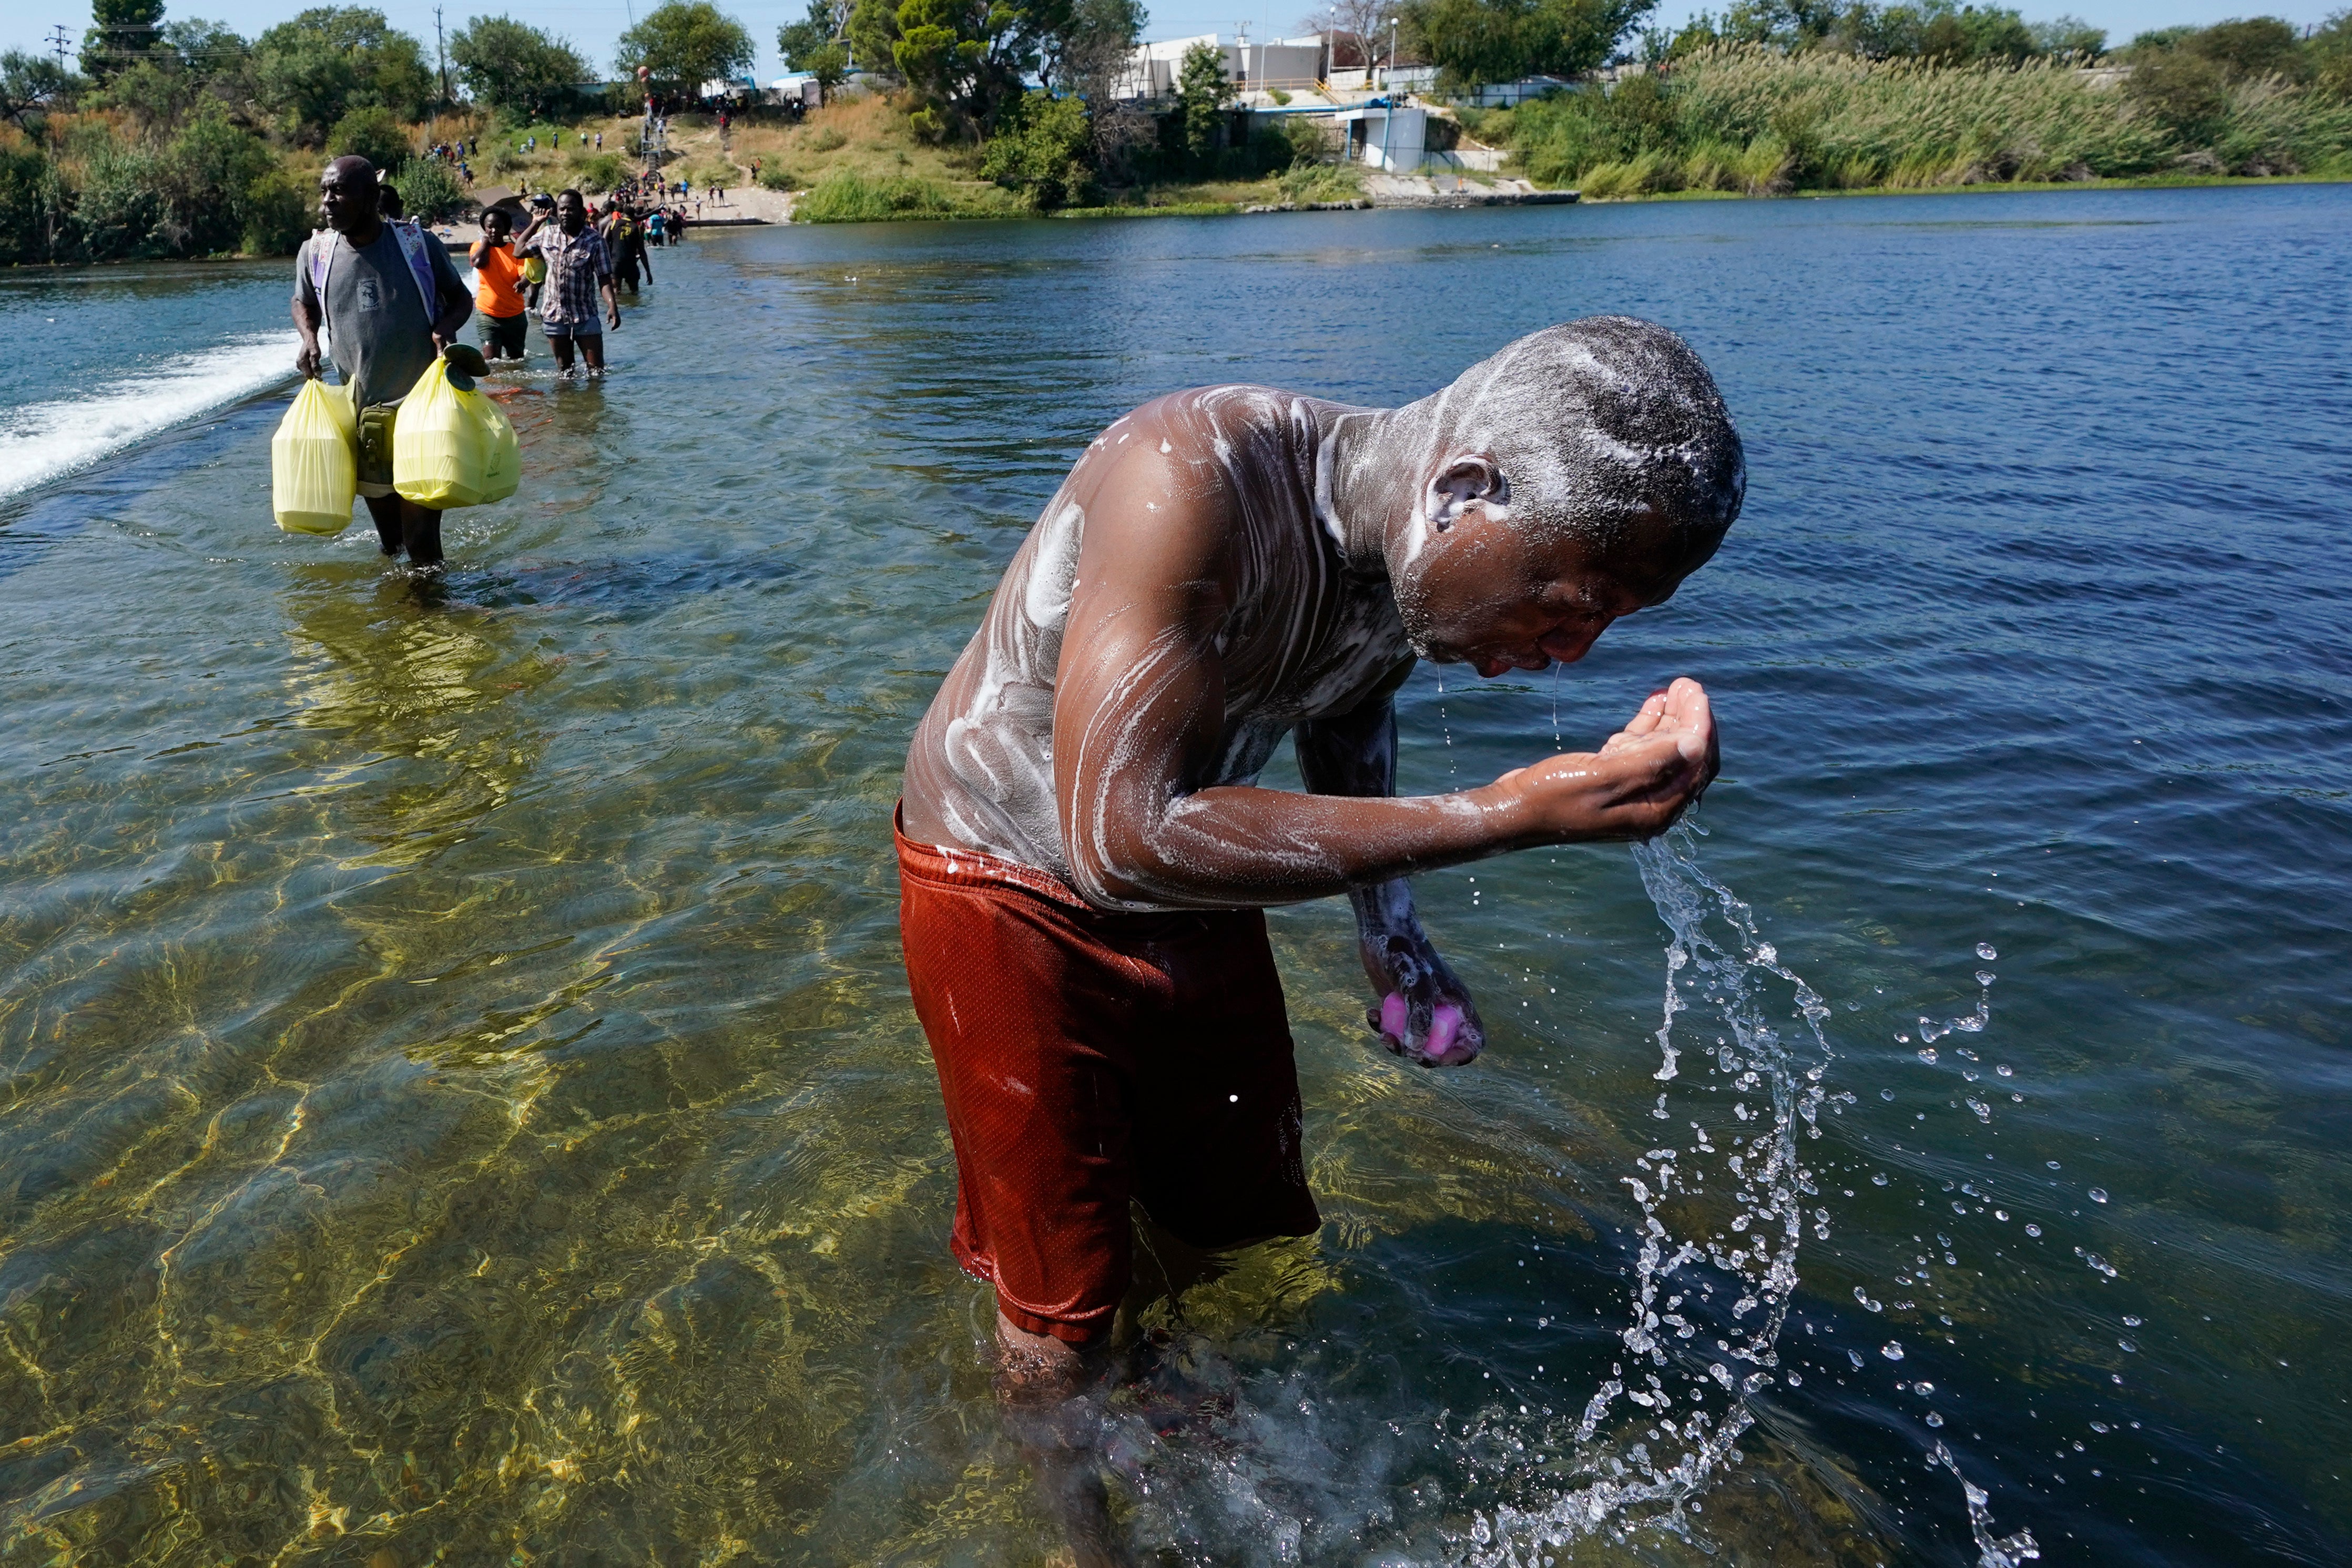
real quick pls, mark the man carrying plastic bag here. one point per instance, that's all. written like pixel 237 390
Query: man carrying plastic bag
pixel 391 303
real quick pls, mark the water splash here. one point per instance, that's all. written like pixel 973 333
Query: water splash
pixel 1715 1276
pixel 1992 1551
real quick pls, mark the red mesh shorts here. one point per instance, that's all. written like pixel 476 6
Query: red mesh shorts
pixel 1089 1058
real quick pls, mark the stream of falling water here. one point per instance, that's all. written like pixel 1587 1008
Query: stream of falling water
pixel 1724 1213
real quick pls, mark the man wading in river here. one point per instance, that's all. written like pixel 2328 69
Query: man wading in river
pixel 391 301
pixel 1084 851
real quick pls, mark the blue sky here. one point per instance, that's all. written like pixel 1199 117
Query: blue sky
pixel 593 25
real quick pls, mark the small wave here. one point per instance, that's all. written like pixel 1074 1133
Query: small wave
pixel 42 441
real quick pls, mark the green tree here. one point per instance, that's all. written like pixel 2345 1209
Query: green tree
pixel 1202 90
pixel 1044 150
pixel 800 42
pixel 686 43
pixel 375 134
pixel 2062 36
pixel 872 32
pixel 515 68
pixel 121 31
pixel 1475 41
pixel 2331 54
pixel 965 60
pixel 311 71
pixel 31 86
pixel 2255 47
pixel 206 174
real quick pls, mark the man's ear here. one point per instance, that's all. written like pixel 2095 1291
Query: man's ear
pixel 1470 477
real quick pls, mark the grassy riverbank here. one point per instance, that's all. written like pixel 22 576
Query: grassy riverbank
pixel 1751 120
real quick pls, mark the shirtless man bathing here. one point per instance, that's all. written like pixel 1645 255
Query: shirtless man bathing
pixel 1085 853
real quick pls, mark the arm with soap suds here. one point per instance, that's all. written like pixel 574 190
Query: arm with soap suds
pixel 1422 1000
pixel 1139 715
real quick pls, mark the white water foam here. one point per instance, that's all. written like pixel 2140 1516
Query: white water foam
pixel 42 441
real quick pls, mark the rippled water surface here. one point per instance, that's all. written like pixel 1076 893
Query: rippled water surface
pixel 463 1103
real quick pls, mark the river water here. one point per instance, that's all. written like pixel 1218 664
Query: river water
pixel 462 1099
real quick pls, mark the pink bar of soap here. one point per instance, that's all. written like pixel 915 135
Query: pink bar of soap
pixel 1393 1014
pixel 1444 1026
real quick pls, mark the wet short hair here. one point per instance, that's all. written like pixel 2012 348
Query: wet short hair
pixel 351 166
pixel 1595 422
pixel 575 196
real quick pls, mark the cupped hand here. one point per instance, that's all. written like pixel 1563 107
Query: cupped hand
pixel 1425 1011
pixel 306 362
pixel 1641 779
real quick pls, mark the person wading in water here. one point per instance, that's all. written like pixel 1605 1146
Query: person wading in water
pixel 391 301
pixel 1085 851
pixel 499 291
pixel 578 270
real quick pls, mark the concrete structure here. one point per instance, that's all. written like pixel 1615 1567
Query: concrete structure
pixel 1378 136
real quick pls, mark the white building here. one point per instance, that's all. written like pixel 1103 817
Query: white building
pixel 1290 65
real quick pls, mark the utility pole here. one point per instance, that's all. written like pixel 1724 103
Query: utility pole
pixel 57 42
pixel 441 48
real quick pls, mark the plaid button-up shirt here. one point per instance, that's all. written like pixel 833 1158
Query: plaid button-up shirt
pixel 576 264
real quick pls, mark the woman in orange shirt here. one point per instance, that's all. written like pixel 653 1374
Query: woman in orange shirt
pixel 497 288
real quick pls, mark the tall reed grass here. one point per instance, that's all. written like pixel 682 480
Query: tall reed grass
pixel 1742 118
pixel 846 197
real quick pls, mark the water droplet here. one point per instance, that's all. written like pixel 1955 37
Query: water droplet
pixel 1892 1350
pixel 2127 1346
pixel 1927 1055
pixel 2033 1230
pixel 2098 1195
pixel 1886 1094
pixel 1923 1388
pixel 2004 1072
pixel 1985 951
pixel 1878 1179
pixel 1934 1419
pixel 2131 1322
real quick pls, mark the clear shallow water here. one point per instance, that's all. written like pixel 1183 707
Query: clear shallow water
pixel 461 1093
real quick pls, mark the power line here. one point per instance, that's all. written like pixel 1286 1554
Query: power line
pixel 57 42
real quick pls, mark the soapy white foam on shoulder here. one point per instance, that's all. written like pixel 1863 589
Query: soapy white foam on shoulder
pixel 40 441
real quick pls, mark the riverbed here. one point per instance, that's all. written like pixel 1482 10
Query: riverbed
pixel 462 1099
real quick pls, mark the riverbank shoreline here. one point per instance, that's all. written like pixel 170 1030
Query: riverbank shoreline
pixel 463 236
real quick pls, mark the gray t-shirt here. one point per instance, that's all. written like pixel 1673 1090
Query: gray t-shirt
pixel 379 328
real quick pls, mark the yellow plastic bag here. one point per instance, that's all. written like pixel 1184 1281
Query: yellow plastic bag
pixel 452 446
pixel 314 462
pixel 534 269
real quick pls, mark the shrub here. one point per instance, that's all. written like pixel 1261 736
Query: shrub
pixel 1042 152
pixel 25 178
pixel 827 139
pixel 375 134
pixel 1322 182
pixel 845 196
pixel 429 190
pixel 601 171
pixel 279 211
pixel 776 177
